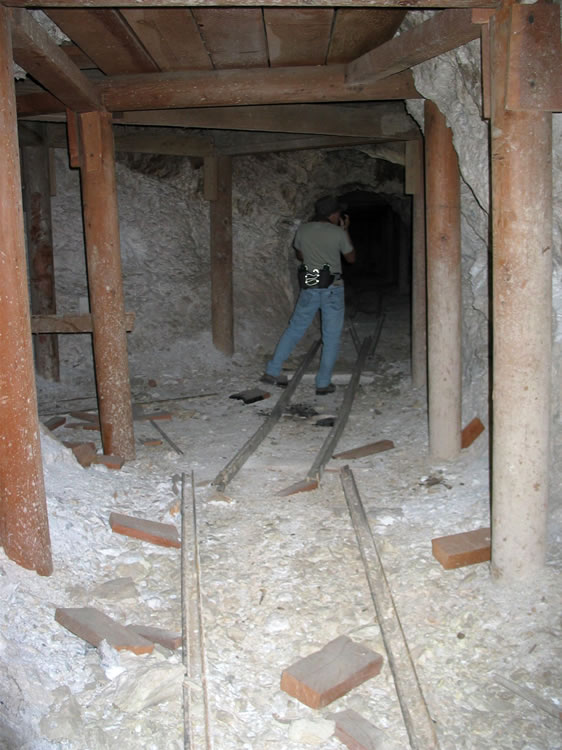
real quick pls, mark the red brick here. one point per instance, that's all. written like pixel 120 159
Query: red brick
pixel 158 635
pixel 366 450
pixel 458 550
pixel 112 462
pixel 163 534
pixel 471 432
pixel 355 732
pixel 326 675
pixel 94 627
pixel 84 453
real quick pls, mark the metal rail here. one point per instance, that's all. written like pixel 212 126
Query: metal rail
pixel 236 463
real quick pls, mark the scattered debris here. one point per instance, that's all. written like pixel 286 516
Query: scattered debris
pixel 458 550
pixel 311 731
pixel 331 672
pixel 547 706
pixel 300 410
pixel 94 627
pixel 366 450
pixel 472 430
pixel 251 396
pixel 325 422
pixel 163 534
pixel 140 415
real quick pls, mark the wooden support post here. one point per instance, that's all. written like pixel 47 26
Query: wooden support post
pixel 24 525
pixel 404 230
pixel 415 186
pixel 221 259
pixel 522 307
pixel 37 204
pixel 105 283
pixel 443 286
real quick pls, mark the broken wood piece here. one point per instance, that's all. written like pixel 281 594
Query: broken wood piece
pixel 366 450
pixel 163 637
pixel 54 422
pixel 82 426
pixel 251 396
pixel 84 453
pixel 331 672
pixel 305 485
pixel 151 441
pixel 86 416
pixel 471 432
pixel 163 534
pixel 458 550
pixel 112 462
pixel 355 732
pixel 94 627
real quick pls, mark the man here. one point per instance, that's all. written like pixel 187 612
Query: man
pixel 319 245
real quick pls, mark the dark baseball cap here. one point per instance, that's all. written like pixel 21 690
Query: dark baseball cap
pixel 328 205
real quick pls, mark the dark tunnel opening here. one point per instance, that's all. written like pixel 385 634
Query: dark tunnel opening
pixel 380 229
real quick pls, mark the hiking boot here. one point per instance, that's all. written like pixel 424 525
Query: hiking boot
pixel 281 381
pixel 327 389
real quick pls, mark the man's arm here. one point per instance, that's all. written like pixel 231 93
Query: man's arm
pixel 344 224
pixel 350 257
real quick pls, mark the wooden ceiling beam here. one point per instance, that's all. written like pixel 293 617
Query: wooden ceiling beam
pixel 374 120
pixel 43 59
pixel 247 86
pixel 106 38
pixel 414 4
pixel 244 144
pixel 441 33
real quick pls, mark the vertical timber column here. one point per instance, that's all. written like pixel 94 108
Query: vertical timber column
pixel 37 202
pixel 415 186
pixel 443 286
pixel 105 283
pixel 24 525
pixel 522 309
pixel 222 300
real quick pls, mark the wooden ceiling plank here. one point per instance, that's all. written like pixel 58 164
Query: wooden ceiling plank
pixel 171 37
pixel 443 32
pixel 42 58
pixel 414 4
pixel 106 38
pixel 357 31
pixel 241 144
pixel 249 86
pixel 376 120
pixel 298 36
pixel 234 37
pixel 81 60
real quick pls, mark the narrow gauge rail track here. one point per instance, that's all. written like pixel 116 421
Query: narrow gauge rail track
pixel 312 479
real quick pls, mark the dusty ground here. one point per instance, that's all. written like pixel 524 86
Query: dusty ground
pixel 280 577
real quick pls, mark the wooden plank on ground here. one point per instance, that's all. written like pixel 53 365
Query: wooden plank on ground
pixel 304 485
pixel 163 534
pixel 251 396
pixel 331 672
pixel 471 432
pixel 54 422
pixel 366 450
pixel 165 638
pixel 458 550
pixel 355 732
pixel 94 627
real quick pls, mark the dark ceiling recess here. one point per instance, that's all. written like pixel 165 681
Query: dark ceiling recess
pixel 380 229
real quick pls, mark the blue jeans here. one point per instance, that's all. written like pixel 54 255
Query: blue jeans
pixel 331 304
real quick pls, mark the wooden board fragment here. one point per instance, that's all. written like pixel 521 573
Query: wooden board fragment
pixel 86 416
pixel 94 627
pixel 366 450
pixel 151 441
pixel 54 422
pixel 471 432
pixel 355 732
pixel 84 453
pixel 326 675
pixel 458 550
pixel 83 426
pixel 305 485
pixel 251 396
pixel 164 534
pixel 160 416
pixel 163 637
pixel 112 462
